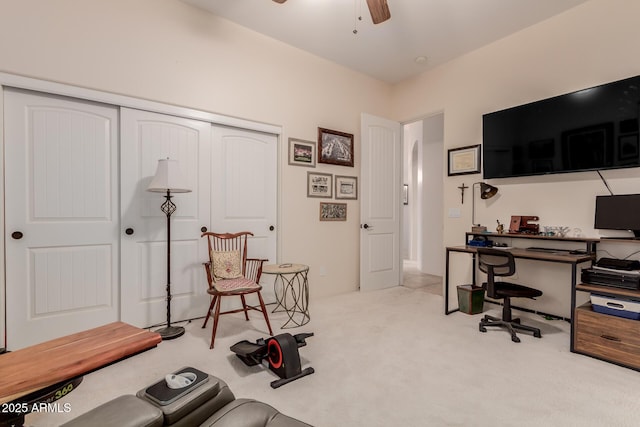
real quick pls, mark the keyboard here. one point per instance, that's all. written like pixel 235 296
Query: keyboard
pixel 548 250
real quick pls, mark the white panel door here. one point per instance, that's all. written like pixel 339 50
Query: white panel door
pixel 244 192
pixel 381 149
pixel 145 138
pixel 61 211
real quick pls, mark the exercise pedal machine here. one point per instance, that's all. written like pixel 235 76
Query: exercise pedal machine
pixel 281 352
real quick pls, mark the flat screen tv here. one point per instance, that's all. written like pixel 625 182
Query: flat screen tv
pixel 618 213
pixel 591 129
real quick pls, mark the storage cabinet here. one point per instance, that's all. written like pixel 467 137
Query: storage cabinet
pixel 611 338
pixel 606 337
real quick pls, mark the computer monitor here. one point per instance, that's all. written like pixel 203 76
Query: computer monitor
pixel 618 213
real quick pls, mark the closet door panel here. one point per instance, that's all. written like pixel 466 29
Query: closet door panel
pixel 146 138
pixel 244 192
pixel 61 207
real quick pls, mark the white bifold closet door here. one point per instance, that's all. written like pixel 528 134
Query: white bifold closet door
pixel 86 244
pixel 244 193
pixel 61 213
pixel 145 138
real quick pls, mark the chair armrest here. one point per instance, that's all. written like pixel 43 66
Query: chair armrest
pixel 253 269
pixel 207 269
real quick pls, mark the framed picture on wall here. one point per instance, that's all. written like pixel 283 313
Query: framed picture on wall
pixel 346 187
pixel 464 160
pixel 302 153
pixel 333 211
pixel 335 147
pixel 319 185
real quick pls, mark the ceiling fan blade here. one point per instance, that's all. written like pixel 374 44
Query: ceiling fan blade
pixel 280 1
pixel 379 10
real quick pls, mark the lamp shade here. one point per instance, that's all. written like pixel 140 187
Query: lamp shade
pixel 169 177
pixel 487 191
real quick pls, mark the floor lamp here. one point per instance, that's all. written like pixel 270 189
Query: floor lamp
pixel 169 179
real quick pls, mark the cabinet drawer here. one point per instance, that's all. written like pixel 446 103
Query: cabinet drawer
pixel 608 337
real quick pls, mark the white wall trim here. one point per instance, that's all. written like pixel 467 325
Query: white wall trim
pixel 54 88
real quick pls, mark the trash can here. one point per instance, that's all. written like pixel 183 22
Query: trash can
pixel 470 299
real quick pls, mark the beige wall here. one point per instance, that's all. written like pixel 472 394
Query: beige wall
pixel 167 51
pixel 586 46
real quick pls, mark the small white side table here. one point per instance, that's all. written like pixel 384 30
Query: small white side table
pixel 291 287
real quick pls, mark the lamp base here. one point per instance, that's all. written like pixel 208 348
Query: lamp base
pixel 171 332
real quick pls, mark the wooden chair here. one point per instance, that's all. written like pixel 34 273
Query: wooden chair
pixel 231 273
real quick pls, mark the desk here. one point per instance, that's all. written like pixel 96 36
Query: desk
pixel 559 257
pixel 40 366
pixel 291 287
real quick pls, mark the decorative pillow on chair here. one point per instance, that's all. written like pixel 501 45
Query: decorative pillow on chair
pixel 226 265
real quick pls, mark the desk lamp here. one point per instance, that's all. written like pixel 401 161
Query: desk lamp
pixel 486 192
pixel 169 179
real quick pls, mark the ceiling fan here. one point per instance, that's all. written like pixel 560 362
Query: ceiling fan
pixel 378 8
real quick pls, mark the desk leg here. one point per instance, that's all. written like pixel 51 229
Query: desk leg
pixel 446 286
pixel 573 304
pixel 446 280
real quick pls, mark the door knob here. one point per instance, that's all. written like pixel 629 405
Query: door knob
pixel 271 228
pixel 203 229
pixel 367 226
pixel 17 235
pixel 128 231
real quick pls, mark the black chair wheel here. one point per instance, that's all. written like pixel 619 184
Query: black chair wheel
pixel 537 334
pixel 514 338
pixel 482 328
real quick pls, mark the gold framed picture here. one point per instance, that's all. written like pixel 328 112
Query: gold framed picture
pixel 464 160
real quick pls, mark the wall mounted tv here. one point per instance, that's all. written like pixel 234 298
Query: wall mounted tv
pixel 591 129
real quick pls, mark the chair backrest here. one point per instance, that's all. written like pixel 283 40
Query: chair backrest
pixel 495 262
pixel 228 243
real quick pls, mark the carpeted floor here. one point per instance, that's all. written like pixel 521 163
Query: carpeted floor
pixel 392 358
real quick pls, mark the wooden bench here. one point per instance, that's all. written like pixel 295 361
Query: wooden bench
pixel 37 367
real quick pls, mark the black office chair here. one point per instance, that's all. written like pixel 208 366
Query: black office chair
pixel 498 262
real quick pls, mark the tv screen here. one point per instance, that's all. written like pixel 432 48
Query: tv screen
pixel 590 129
pixel 618 213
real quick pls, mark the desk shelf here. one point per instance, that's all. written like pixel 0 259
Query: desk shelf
pixel 608 291
pixel 536 237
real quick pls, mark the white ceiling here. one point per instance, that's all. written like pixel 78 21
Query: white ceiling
pixel 439 30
